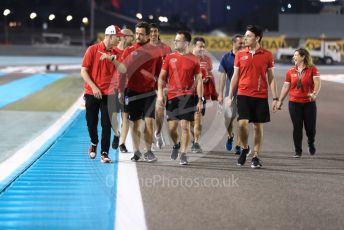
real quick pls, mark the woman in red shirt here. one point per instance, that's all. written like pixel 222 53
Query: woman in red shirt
pixel 302 82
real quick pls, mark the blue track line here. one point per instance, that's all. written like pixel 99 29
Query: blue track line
pixel 21 88
pixel 63 189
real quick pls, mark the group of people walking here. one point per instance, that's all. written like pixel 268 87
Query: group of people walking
pixel 141 77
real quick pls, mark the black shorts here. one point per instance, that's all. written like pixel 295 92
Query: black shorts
pixel 253 109
pixel 181 108
pixel 140 105
pixel 204 105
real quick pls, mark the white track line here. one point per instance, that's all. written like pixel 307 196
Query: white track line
pixel 37 69
pixel 129 206
pixel 339 78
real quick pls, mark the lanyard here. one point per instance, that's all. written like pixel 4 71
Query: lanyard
pixel 299 75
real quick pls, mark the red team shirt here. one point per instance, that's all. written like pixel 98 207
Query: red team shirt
pixel 301 95
pixel 101 72
pixel 142 62
pixel 164 50
pixel 206 67
pixel 181 71
pixel 117 75
pixel 253 72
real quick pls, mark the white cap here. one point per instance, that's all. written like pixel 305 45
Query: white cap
pixel 114 30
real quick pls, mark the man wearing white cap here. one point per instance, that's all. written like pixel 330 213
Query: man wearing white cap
pixel 98 66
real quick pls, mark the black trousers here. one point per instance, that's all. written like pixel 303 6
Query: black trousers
pixel 303 114
pixel 106 107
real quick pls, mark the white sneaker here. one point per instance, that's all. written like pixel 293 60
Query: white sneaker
pixel 159 140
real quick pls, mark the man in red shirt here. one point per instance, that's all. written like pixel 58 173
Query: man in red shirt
pixel 253 71
pixel 183 73
pixel 159 111
pixel 98 67
pixel 126 41
pixel 142 60
pixel 209 90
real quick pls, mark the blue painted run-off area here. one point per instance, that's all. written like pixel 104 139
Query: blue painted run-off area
pixel 18 89
pixel 64 188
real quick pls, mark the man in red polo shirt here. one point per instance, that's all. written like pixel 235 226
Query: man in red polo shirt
pixel 209 90
pixel 253 71
pixel 142 60
pixel 184 78
pixel 126 41
pixel 98 67
pixel 159 111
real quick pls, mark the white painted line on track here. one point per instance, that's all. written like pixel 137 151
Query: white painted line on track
pixel 37 69
pixel 129 206
pixel 339 78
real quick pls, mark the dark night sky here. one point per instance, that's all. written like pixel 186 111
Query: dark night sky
pixel 180 12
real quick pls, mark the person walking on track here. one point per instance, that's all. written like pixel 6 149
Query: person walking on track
pixel 303 84
pixel 183 73
pixel 98 67
pixel 253 72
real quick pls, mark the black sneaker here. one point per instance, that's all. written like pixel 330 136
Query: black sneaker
pixel 136 156
pixel 255 163
pixel 237 150
pixel 123 148
pixel 175 150
pixel 311 149
pixel 197 148
pixel 192 146
pixel 183 159
pixel 243 155
pixel 104 158
pixel 149 156
pixel 297 155
pixel 115 142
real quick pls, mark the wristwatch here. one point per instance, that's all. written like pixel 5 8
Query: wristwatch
pixel 202 99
